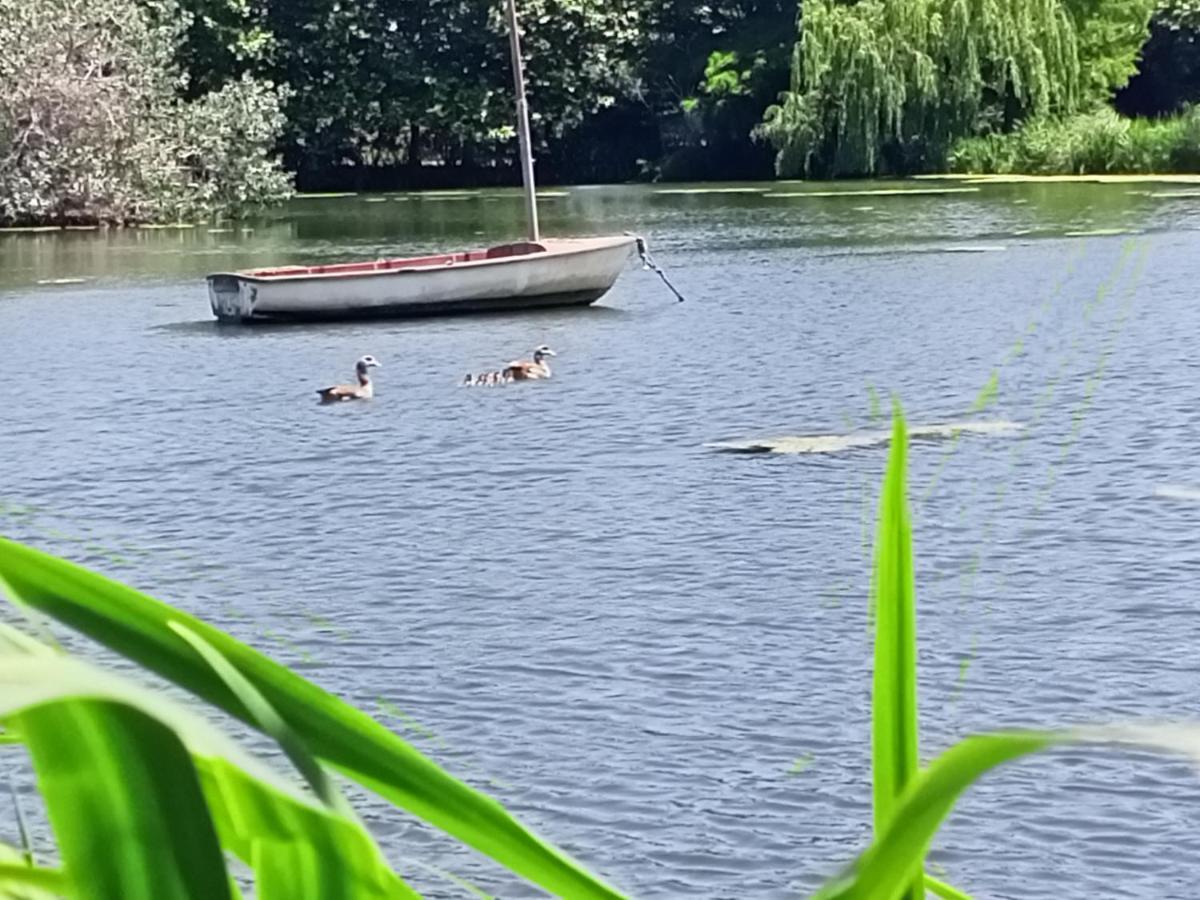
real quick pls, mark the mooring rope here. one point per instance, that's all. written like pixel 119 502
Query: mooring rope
pixel 649 263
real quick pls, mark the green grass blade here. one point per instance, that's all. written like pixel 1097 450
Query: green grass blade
pixel 946 891
pixel 27 681
pixel 125 803
pixel 139 627
pixel 275 837
pixel 288 871
pixel 896 856
pixel 268 720
pixel 890 865
pixel 24 882
pixel 13 640
pixel 253 809
pixel 894 722
pixel 333 860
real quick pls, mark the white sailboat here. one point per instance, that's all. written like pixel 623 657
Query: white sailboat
pixel 525 274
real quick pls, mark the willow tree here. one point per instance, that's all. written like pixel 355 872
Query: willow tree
pixel 889 85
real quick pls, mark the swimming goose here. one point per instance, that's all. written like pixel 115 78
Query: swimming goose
pixel 364 390
pixel 488 379
pixel 527 369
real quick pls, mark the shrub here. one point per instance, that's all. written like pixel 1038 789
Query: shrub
pixel 93 130
pixel 1092 143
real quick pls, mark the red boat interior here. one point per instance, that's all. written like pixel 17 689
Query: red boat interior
pixel 520 248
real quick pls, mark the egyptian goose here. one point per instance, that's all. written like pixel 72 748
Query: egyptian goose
pixel 527 369
pixel 364 390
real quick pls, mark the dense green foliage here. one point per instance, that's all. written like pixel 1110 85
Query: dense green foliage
pixel 720 65
pixel 174 114
pixel 678 88
pixel 1092 143
pixel 890 85
pixel 1169 70
pixel 381 86
pixel 390 81
pixel 1111 34
pixel 92 127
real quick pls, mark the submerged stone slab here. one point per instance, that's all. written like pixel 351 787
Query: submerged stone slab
pixel 858 440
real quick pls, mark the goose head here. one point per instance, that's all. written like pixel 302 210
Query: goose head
pixel 363 365
pixel 542 352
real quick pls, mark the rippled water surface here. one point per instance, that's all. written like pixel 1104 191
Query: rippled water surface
pixel 655 652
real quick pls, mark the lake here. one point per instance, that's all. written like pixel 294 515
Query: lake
pixel 657 654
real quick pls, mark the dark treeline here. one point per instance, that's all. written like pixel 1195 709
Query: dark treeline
pixel 159 110
pixel 416 93
pixel 388 93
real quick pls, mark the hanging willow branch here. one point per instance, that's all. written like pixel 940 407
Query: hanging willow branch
pixel 889 85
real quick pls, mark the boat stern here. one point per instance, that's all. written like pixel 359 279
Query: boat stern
pixel 232 299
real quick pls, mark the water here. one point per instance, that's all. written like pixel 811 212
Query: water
pixel 654 652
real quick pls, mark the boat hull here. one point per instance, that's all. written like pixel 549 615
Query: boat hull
pixel 552 273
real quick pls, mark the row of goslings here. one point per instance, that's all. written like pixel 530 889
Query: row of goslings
pixel 487 379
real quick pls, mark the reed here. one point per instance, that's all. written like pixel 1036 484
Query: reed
pixel 270 698
pixel 895 725
pixel 911 803
pixel 147 799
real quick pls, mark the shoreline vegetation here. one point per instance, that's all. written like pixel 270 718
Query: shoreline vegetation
pixel 159 111
pixel 816 189
pixel 1090 144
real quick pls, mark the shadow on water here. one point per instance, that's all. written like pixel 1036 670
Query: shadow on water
pixel 249 329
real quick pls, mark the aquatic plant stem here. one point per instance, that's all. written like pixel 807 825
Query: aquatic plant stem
pixel 894 720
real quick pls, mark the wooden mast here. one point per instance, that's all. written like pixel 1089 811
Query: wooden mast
pixel 514 36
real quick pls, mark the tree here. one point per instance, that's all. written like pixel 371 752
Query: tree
pixel 220 41
pixel 92 129
pixel 1111 33
pixel 710 70
pixel 380 82
pixel 889 85
pixel 1168 77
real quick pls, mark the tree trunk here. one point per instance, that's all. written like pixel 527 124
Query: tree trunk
pixel 414 146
